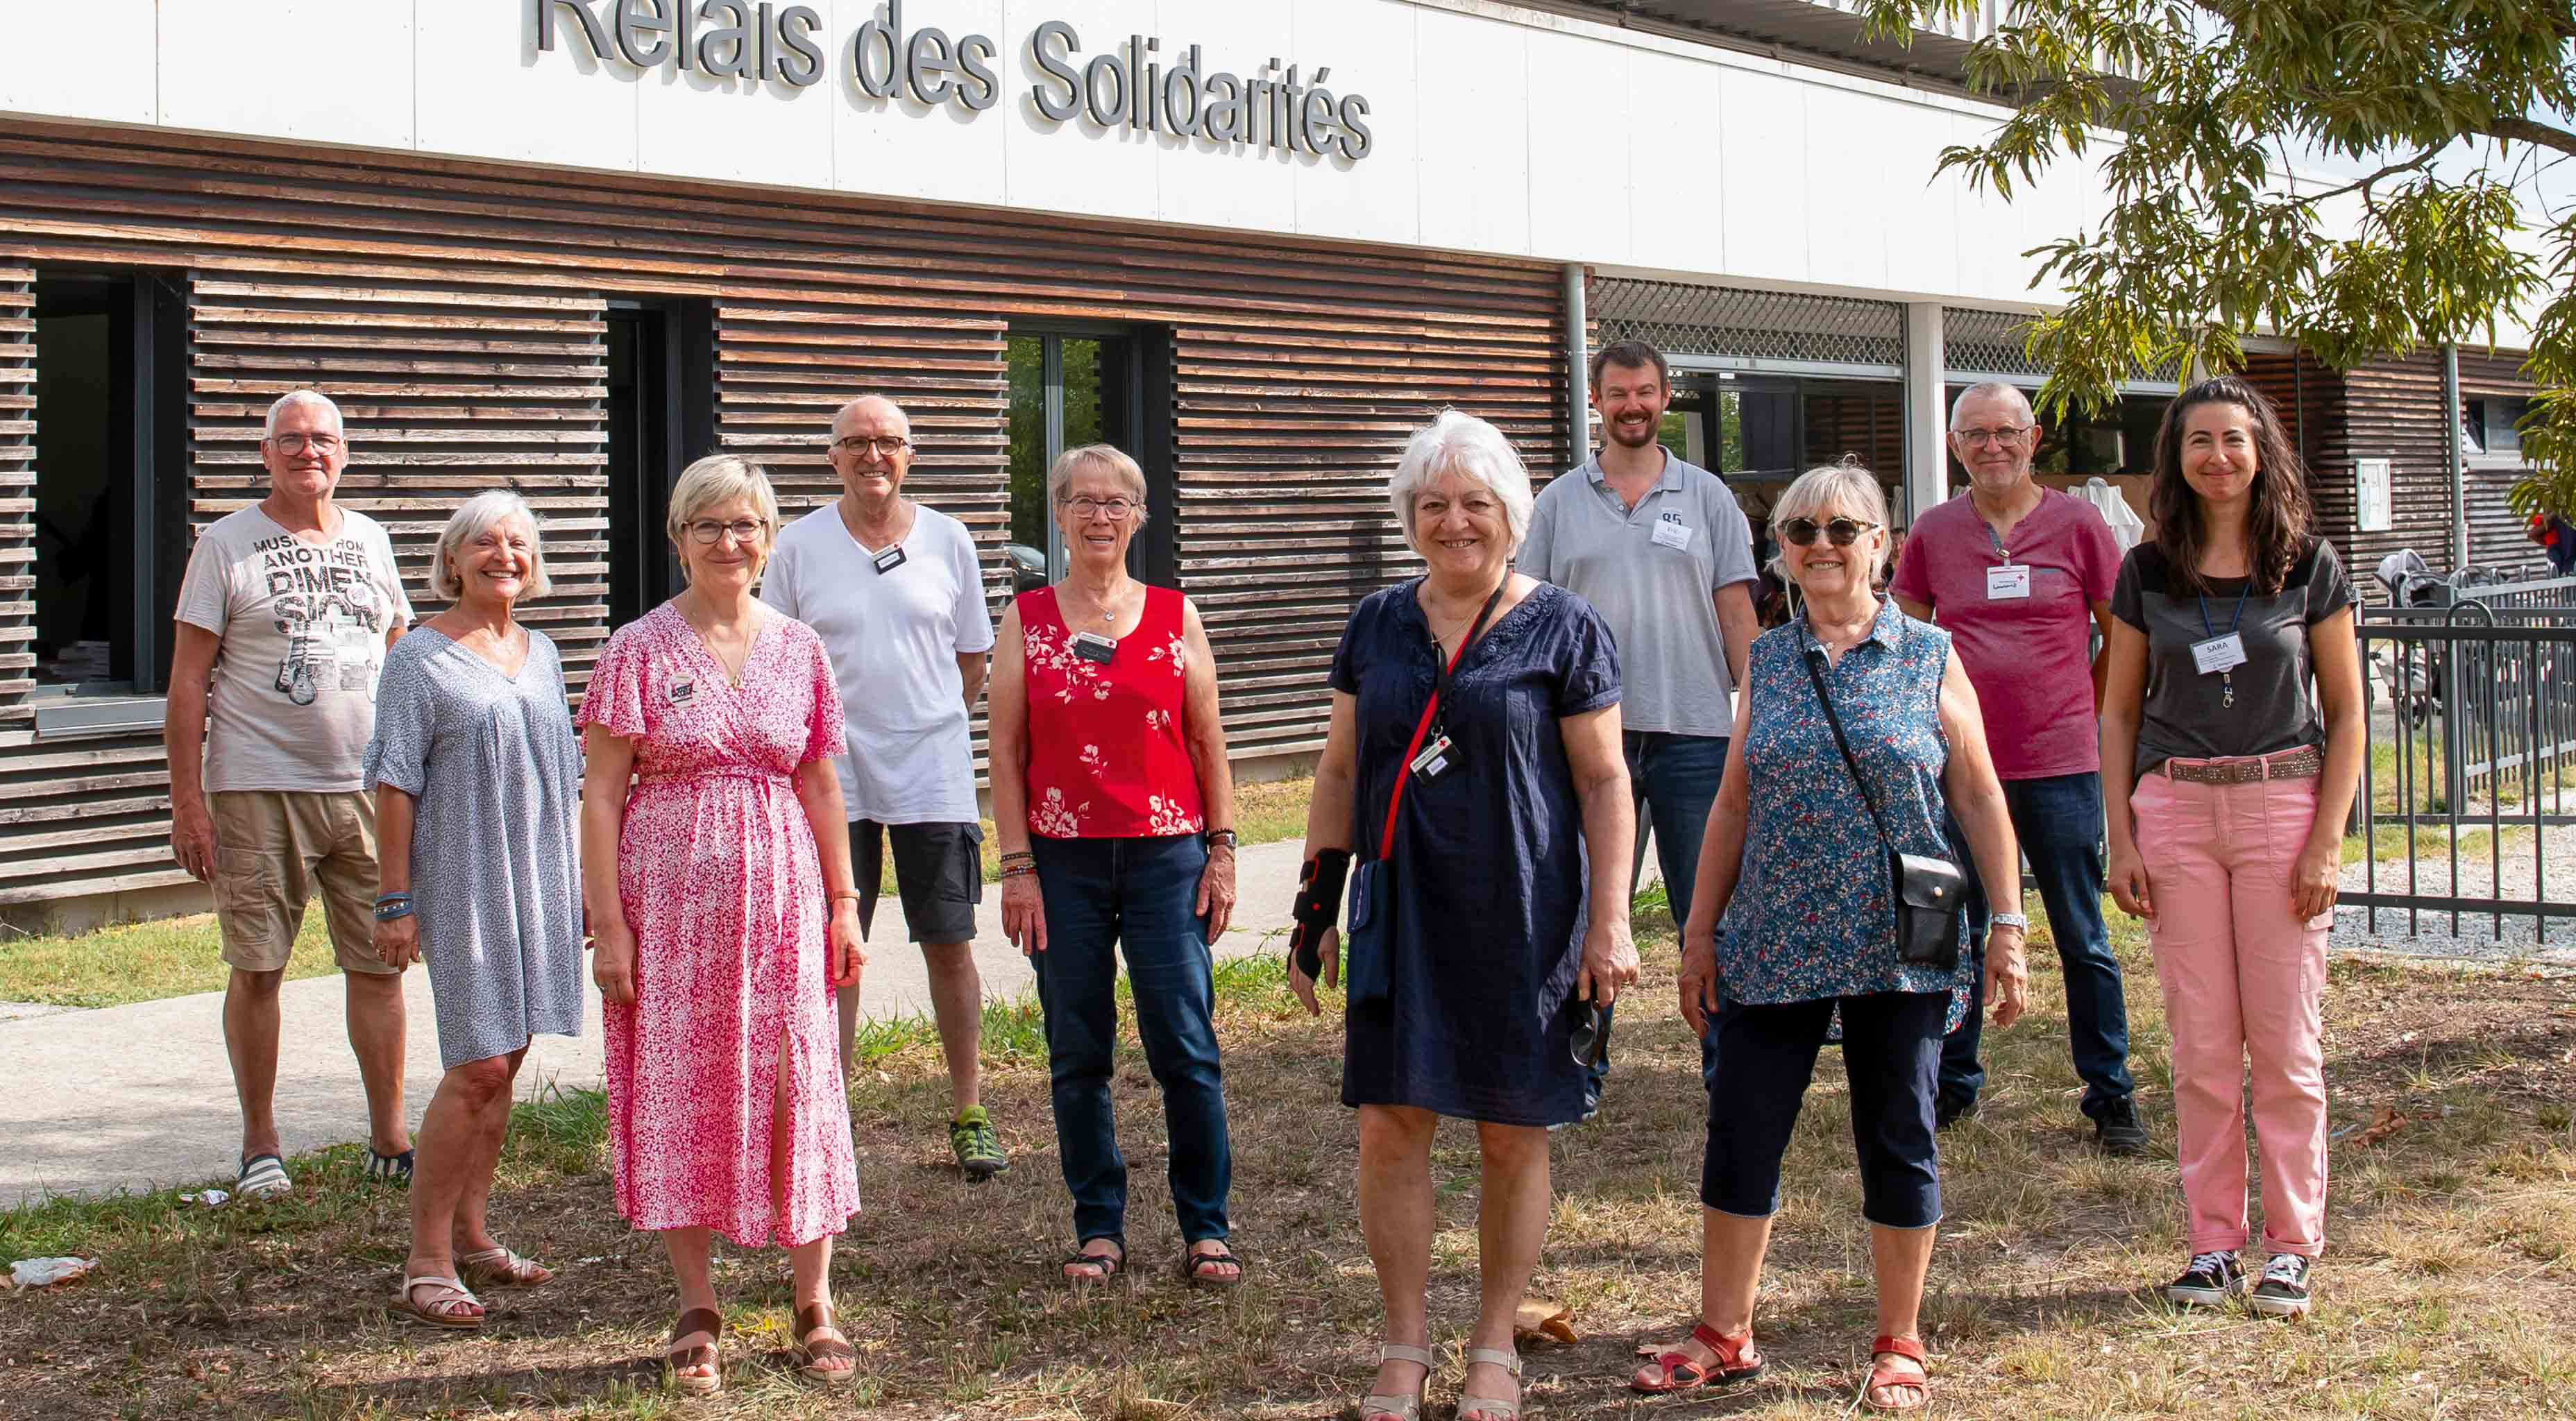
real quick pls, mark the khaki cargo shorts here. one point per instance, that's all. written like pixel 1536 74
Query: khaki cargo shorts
pixel 272 848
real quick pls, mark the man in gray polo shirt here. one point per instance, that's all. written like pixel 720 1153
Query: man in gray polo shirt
pixel 1658 546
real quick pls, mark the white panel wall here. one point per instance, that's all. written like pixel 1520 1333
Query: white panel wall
pixel 1497 130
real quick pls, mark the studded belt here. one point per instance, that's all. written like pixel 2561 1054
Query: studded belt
pixel 2304 763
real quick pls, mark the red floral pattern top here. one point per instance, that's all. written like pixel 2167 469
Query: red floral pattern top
pixel 1106 757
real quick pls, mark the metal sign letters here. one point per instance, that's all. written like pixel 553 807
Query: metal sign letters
pixel 1133 85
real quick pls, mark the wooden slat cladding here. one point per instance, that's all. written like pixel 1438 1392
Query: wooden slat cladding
pixel 455 311
pixel 17 497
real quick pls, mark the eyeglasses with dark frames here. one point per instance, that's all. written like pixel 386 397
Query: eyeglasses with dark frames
pixel 1118 510
pixel 707 532
pixel 1841 532
pixel 885 445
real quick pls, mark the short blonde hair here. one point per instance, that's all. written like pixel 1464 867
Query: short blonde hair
pixel 1097 457
pixel 469 522
pixel 1457 443
pixel 1846 485
pixel 722 478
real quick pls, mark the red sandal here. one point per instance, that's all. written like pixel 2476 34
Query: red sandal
pixel 1677 1370
pixel 1881 1376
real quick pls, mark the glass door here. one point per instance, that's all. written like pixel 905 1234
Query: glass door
pixel 1067 390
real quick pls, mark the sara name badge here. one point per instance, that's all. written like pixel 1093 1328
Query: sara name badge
pixel 2219 653
pixel 1433 759
pixel 2010 580
pixel 890 559
pixel 1672 532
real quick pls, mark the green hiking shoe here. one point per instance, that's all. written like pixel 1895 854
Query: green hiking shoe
pixel 979 1150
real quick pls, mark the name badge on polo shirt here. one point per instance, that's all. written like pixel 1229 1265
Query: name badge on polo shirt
pixel 889 560
pixel 2219 653
pixel 2010 580
pixel 682 691
pixel 1672 532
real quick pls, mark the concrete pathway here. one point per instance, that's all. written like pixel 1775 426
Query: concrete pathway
pixel 140 1097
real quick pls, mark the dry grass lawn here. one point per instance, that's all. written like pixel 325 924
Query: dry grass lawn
pixel 2449 1289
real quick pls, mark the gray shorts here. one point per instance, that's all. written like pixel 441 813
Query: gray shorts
pixel 938 872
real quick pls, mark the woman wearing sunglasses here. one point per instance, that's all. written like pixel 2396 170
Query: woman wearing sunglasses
pixel 1474 770
pixel 1802 846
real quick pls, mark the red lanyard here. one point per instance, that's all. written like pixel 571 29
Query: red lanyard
pixel 1404 767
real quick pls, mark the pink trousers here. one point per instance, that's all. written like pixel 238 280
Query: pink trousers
pixel 2243 976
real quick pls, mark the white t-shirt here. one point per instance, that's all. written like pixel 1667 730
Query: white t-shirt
pixel 303 628
pixel 894 639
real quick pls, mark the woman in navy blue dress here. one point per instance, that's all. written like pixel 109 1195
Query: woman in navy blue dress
pixel 1508 849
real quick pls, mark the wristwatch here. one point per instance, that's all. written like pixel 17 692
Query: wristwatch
pixel 2010 920
pixel 1219 838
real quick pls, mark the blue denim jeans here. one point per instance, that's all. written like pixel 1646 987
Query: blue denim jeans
pixel 2058 819
pixel 1891 1050
pixel 1674 779
pixel 1101 895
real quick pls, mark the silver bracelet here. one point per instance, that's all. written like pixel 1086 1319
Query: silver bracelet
pixel 2009 920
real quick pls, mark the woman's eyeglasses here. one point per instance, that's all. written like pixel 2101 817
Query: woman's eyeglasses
pixel 1116 510
pixel 706 531
pixel 1841 531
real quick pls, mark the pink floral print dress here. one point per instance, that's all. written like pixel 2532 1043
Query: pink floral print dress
pixel 717 870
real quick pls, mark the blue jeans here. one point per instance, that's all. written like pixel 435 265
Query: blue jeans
pixel 1102 894
pixel 1674 779
pixel 1891 1050
pixel 2058 819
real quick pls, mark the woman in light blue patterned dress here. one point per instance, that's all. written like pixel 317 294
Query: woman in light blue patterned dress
pixel 1795 864
pixel 477 776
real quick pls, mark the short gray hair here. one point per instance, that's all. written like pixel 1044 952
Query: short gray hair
pixel 1846 485
pixel 291 399
pixel 1458 443
pixel 1993 389
pixel 1097 457
pixel 467 523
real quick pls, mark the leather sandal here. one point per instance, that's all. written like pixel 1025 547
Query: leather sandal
pixel 704 1354
pixel 812 1354
pixel 1400 1408
pixel 1497 1407
pixel 441 1308
pixel 1676 1370
pixel 500 1268
pixel 1194 1268
pixel 1880 1374
pixel 1109 1264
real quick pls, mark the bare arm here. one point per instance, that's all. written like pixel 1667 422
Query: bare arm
pixel 183 740
pixel 2102 658
pixel 970 670
pixel 1203 725
pixel 818 789
pixel 1006 741
pixel 608 764
pixel 397 940
pixel 394 631
pixel 1736 627
pixel 2336 654
pixel 1721 863
pixel 1600 767
pixel 2124 698
pixel 1977 800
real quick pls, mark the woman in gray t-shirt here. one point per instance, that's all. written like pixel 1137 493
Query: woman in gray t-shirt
pixel 2232 738
pixel 477 775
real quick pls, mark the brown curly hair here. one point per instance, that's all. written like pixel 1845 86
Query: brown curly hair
pixel 2277 530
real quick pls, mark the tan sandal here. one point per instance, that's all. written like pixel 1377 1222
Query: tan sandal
pixel 704 1354
pixel 500 1268
pixel 440 1310
pixel 812 1354
pixel 1402 1408
pixel 1497 1407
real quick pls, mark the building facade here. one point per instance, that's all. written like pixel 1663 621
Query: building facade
pixel 565 246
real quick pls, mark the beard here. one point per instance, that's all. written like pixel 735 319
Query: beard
pixel 1628 436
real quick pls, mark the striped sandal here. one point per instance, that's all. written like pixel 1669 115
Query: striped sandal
pixel 261 1177
pixel 500 1268
pixel 1497 1408
pixel 391 1169
pixel 1399 1408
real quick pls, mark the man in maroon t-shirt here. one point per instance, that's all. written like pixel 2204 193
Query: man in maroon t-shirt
pixel 2020 575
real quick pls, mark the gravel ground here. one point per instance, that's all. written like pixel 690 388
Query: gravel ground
pixel 2432 934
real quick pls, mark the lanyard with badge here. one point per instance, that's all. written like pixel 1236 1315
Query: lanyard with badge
pixel 2010 580
pixel 1429 759
pixel 2222 654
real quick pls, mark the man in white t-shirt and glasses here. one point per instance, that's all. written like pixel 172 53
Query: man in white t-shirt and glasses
pixel 896 594
pixel 284 617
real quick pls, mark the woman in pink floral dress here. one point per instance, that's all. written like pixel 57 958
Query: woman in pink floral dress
pixel 719 888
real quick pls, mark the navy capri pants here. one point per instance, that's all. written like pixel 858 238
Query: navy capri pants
pixel 1766 1056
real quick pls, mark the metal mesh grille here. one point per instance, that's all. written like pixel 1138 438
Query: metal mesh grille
pixel 1727 321
pixel 1986 342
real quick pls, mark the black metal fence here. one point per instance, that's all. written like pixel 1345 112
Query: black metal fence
pixel 2472 758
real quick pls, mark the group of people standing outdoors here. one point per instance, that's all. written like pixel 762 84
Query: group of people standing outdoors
pixel 1841 808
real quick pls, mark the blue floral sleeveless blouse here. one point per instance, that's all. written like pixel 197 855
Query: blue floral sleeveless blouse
pixel 1812 915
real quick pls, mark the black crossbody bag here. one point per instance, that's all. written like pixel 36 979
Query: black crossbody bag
pixel 1930 892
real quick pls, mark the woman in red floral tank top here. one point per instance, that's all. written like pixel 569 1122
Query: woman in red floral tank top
pixel 1115 814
